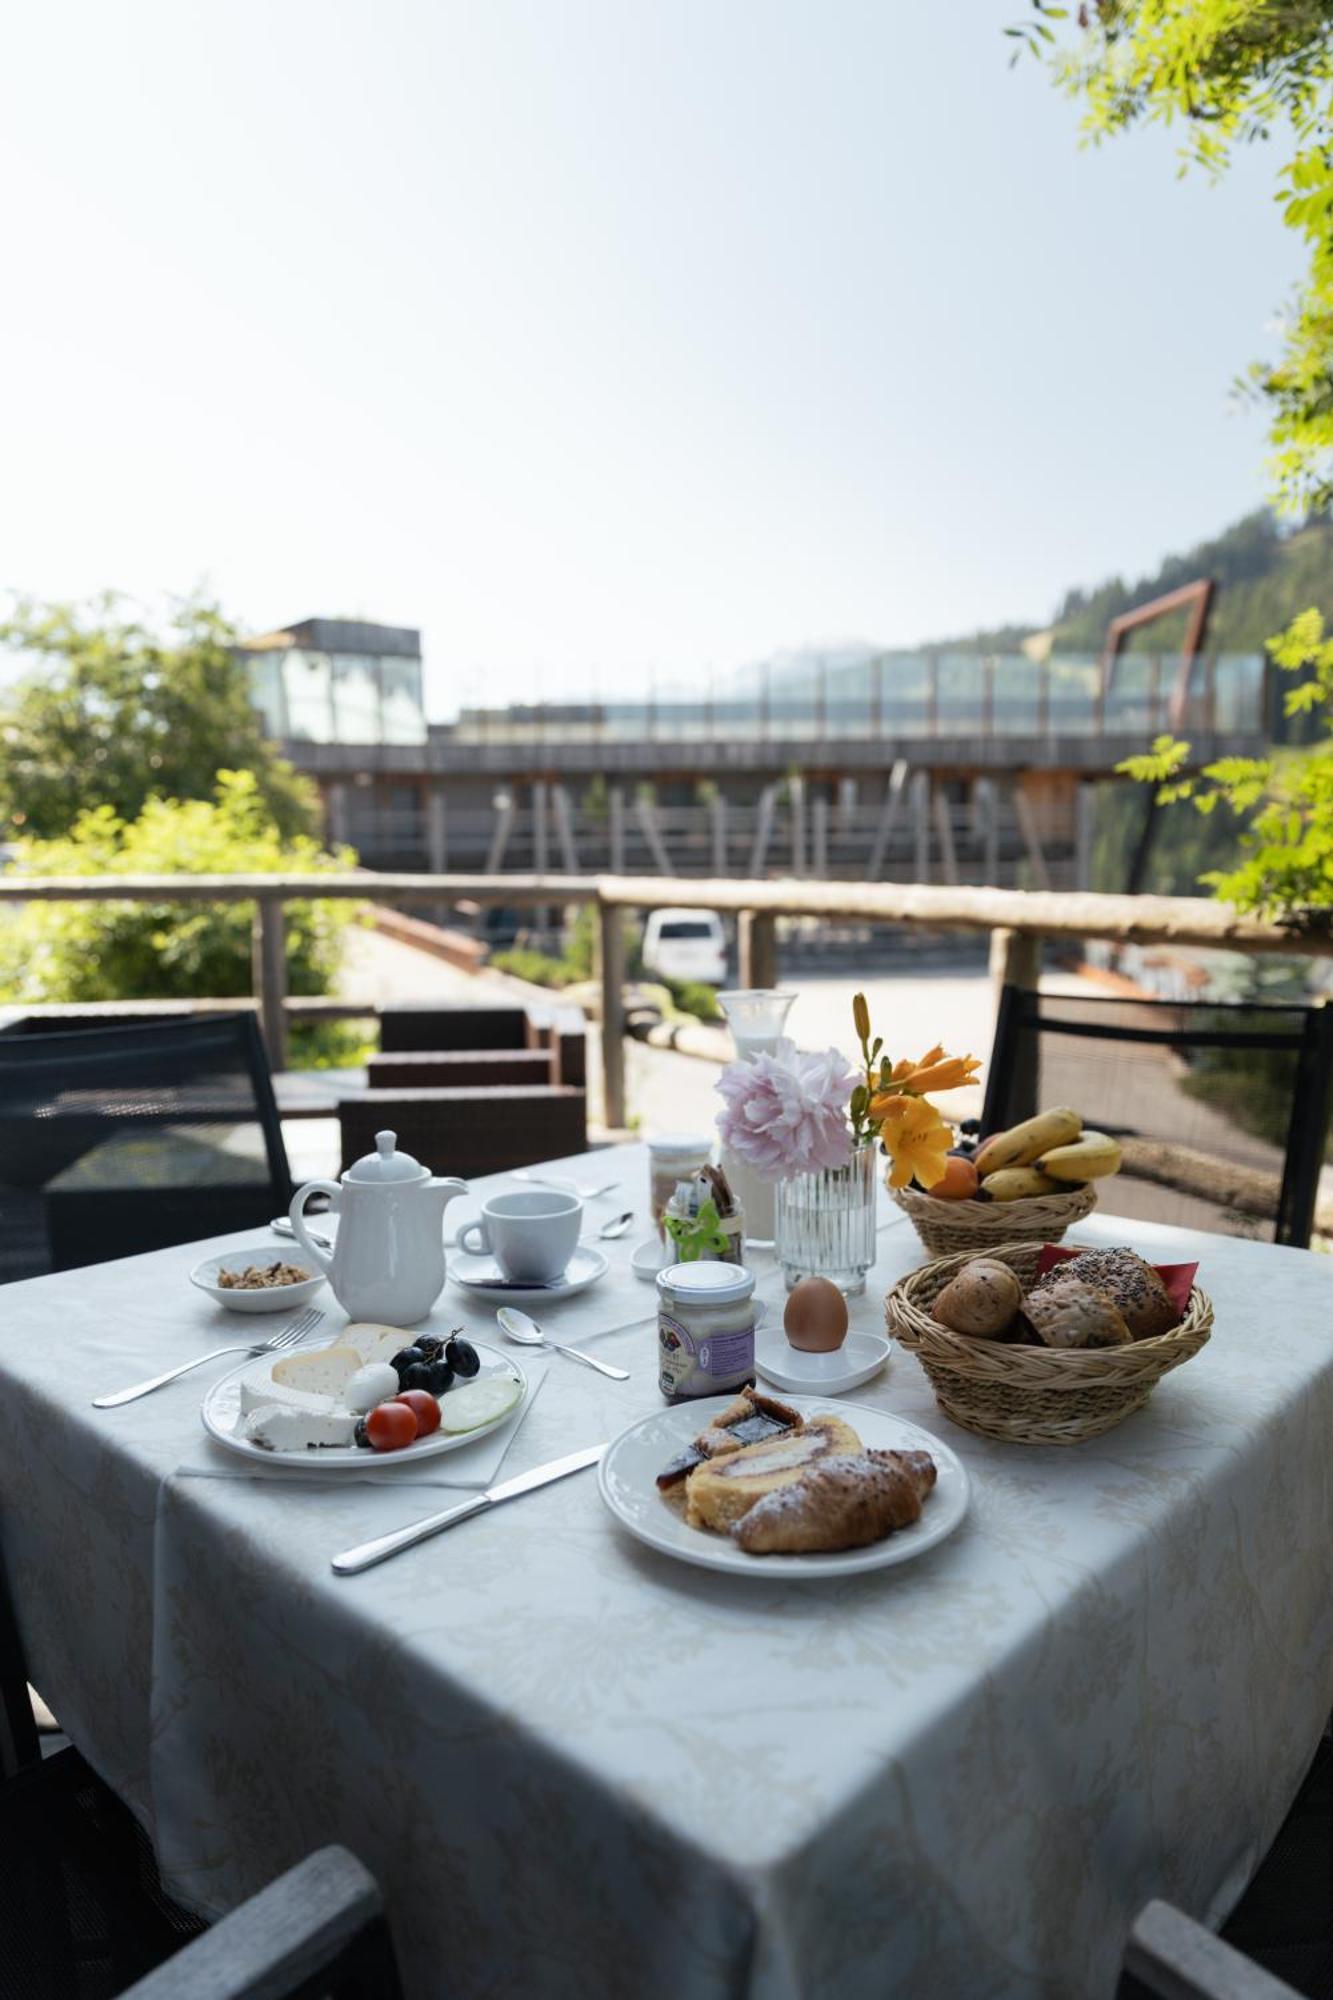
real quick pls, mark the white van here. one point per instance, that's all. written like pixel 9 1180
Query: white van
pixel 686 944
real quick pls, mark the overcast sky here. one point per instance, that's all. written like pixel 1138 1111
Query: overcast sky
pixel 601 338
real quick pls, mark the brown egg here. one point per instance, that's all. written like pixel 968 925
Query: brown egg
pixel 816 1316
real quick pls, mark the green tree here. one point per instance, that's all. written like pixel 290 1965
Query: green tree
pixel 73 951
pixel 1231 71
pixel 1227 72
pixel 112 713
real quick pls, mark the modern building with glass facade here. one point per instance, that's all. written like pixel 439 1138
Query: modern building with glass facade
pixel 338 680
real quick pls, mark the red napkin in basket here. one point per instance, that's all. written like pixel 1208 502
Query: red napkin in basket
pixel 1178 1278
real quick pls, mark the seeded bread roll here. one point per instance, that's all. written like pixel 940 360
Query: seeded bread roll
pixel 1072 1314
pixel 1143 1300
pixel 982 1300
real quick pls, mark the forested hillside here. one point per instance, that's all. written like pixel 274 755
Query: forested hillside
pixel 1266 575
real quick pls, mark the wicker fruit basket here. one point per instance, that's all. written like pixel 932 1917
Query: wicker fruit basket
pixel 1034 1395
pixel 948 1226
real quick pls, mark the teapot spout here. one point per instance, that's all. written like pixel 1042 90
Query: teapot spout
pixel 445 1190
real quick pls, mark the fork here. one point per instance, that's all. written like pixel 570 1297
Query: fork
pixel 567 1186
pixel 287 1336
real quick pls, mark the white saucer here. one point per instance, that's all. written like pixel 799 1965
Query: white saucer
pixel 483 1277
pixel 786 1367
pixel 647 1259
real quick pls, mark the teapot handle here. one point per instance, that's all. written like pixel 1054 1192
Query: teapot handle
pixel 296 1216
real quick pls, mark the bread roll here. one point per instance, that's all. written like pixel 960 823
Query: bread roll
pixel 1072 1314
pixel 982 1300
pixel 1143 1300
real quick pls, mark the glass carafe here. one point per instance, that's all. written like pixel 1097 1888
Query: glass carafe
pixel 757 1017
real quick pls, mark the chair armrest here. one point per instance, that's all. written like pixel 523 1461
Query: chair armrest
pixel 324 1914
pixel 1179 1959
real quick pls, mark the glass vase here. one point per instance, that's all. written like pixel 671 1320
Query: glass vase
pixel 826 1223
pixel 757 1016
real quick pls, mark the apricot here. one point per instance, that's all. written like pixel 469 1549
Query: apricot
pixel 960 1182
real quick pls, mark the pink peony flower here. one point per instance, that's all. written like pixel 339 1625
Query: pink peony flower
pixel 786 1113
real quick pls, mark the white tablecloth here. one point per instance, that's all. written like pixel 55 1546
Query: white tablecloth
pixel 577 1767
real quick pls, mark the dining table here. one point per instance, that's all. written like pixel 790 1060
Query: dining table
pixel 576 1765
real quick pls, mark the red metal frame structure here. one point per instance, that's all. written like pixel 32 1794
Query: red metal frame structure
pixel 1199 597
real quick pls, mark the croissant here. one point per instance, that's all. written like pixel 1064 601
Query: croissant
pixel 840 1503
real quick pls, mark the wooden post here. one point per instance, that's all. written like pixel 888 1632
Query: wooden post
pixel 1015 959
pixel 944 829
pixel 564 829
pixel 819 835
pixel 1085 825
pixel 269 962
pixel 763 827
pixel 796 790
pixel 893 797
pixel 920 794
pixel 611 978
pixel 757 939
pixel 1031 832
pixel 987 795
pixel 615 802
pixel 437 829
pixel 718 810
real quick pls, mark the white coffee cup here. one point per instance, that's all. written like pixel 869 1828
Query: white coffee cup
pixel 531 1236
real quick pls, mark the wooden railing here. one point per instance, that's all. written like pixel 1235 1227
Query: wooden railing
pixel 1017 922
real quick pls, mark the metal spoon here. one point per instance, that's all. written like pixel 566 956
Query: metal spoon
pixel 616 1227
pixel 516 1325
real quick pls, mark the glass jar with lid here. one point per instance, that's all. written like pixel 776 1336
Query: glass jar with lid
pixel 705 1330
pixel 671 1159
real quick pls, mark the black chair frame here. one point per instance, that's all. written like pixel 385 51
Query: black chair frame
pixel 1011 1077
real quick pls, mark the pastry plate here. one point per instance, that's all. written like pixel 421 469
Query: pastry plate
pixel 627 1482
pixel 482 1276
pixel 850 1366
pixel 221 1413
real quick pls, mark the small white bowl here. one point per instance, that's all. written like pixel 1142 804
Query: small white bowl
pixel 264 1298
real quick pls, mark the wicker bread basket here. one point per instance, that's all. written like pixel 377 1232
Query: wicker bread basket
pixel 947 1226
pixel 1033 1395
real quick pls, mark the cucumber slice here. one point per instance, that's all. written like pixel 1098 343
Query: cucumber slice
pixel 479 1403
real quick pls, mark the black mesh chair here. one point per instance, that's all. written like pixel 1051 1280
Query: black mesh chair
pixel 317 1933
pixel 119 1140
pixel 1222 1111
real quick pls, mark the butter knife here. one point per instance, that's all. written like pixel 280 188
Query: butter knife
pixel 366 1554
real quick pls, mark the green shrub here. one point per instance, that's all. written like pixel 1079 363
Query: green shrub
pixel 67 951
pixel 691 997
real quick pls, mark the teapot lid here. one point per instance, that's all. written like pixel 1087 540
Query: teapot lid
pixel 386 1163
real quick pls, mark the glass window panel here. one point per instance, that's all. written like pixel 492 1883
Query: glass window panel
pixel 308 682
pixel 356 698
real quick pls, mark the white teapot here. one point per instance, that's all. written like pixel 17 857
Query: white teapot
pixel 388 1261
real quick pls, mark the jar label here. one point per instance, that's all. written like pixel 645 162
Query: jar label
pixel 702 1367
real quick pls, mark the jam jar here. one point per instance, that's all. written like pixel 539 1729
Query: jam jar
pixel 705 1330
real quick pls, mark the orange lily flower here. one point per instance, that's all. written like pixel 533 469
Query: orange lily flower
pixel 931 1073
pixel 916 1139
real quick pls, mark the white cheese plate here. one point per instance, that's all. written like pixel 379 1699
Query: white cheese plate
pixel 627 1482
pixel 221 1413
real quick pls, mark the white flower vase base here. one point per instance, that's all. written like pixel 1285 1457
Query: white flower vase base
pixel 825 1223
pixel 756 1199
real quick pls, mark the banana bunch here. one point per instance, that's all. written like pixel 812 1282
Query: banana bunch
pixel 1044 1155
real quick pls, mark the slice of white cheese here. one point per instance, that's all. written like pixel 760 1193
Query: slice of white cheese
pixel 259 1390
pixel 374 1342
pixel 279 1428
pixel 294 1382
pixel 324 1372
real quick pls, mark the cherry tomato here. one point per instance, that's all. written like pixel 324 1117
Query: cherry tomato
pixel 390 1426
pixel 423 1407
